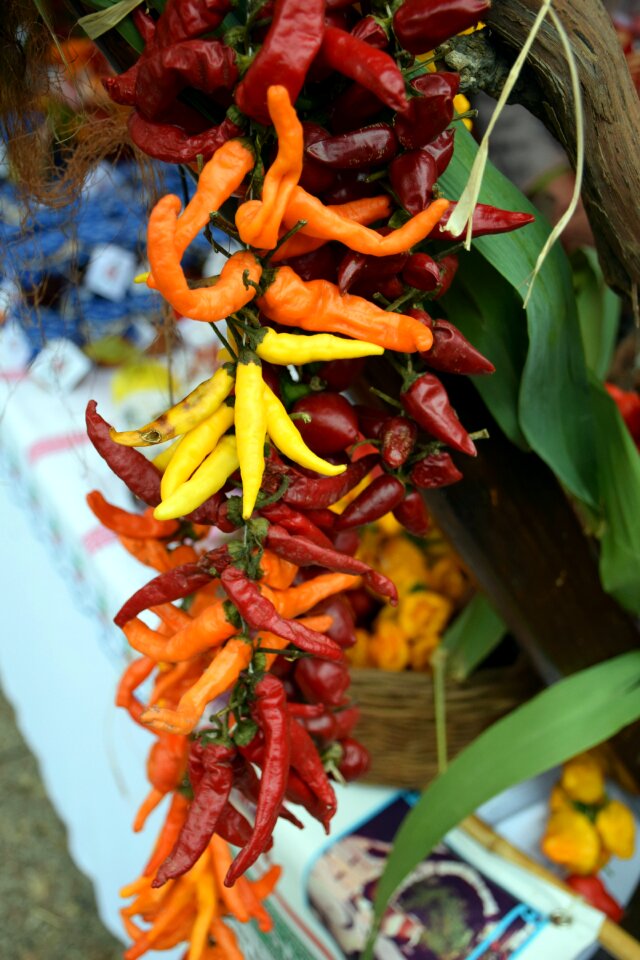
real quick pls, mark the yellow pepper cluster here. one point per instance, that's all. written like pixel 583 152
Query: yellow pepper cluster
pixel 432 585
pixel 585 828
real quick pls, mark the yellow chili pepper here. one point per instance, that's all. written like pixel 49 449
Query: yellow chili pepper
pixel 617 828
pixel 193 448
pixel 559 800
pixel 288 438
pixel 389 649
pixel 184 416
pixel 251 428
pixel 161 460
pixel 572 841
pixel 583 779
pixel 290 348
pixel 210 477
pixel 421 650
pixel 423 610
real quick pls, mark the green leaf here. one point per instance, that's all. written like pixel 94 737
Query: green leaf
pixel 598 311
pixel 473 635
pixel 619 479
pixel 573 715
pixel 553 411
pixel 95 24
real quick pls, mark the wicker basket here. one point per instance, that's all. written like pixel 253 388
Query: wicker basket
pixel 397 717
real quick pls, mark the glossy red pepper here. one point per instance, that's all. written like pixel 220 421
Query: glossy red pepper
pixel 333 725
pixel 172 585
pixel 340 374
pixel 322 682
pixel 428 113
pixel 324 491
pixel 320 264
pixel 246 780
pixel 294 38
pixel 233 827
pixel 333 425
pixel 353 108
pixel 397 440
pixel 371 68
pixel 294 522
pixel 371 31
pixel 182 19
pixel 366 148
pixel 412 514
pixel 435 470
pixel 362 604
pixel 441 149
pixel 316 177
pixel 364 272
pixel 451 352
pixel 427 402
pixel 355 760
pixel 172 144
pixel 487 220
pixel 206 65
pixel 342 628
pixel 448 268
pixel 421 25
pixel 299 792
pixel 371 421
pixel 306 761
pixel 422 272
pixel 381 496
pixel 412 177
pixel 593 890
pixel 350 185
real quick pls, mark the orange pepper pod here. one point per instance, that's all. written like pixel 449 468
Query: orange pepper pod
pixel 226 944
pixel 296 600
pixel 254 906
pixel 133 525
pixel 208 630
pixel 266 884
pixel 148 551
pixel 318 305
pixel 172 616
pixel 227 296
pixel 276 572
pixel 365 211
pixel 231 897
pixel 135 674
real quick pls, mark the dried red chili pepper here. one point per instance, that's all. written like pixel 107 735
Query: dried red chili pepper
pixel 308 765
pixel 294 38
pixel 487 220
pixel 298 792
pixel 441 149
pixel 353 108
pixel 138 473
pixel 412 177
pixel 363 271
pixel 421 25
pixel 451 351
pixel 350 185
pixel 172 585
pixel 422 272
pixel 333 725
pixel 210 797
pixel 427 402
pixel 295 522
pixel 322 492
pixel 233 827
pixel 371 420
pixel 320 264
pixel 261 614
pixel 343 622
pixel 371 31
pixel 382 495
pixel 355 760
pixel 246 780
pixel 172 144
pixel 398 438
pixel 435 470
pixel 321 685
pixel 340 374
pixel 269 710
pixel 593 890
pixel 365 148
pixel 412 514
pixel 333 425
pixel 371 68
pixel 182 19
pixel 206 65
pixel 429 113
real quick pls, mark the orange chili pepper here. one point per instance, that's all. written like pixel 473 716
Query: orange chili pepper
pixel 364 211
pixel 226 940
pixel 133 525
pixel 167 837
pixel 319 306
pixel 135 674
pixel 255 908
pixel 267 882
pixel 296 600
pixel 172 681
pixel 204 598
pixel 208 630
pixel 231 897
pixel 276 572
pixel 150 552
pixel 172 616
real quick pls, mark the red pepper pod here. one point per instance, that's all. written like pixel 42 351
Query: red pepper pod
pixel 429 113
pixel 323 682
pixel 412 514
pixel 320 264
pixel 593 890
pixel 448 268
pixel 365 148
pixel 333 425
pixel 138 473
pixel 172 585
pixel 182 19
pixel 295 523
pixel 421 25
pixel 398 438
pixel 355 760
pixel 427 402
pixel 441 149
pixel 294 38
pixel 371 421
pixel 341 374
pixel 371 68
pixel 122 89
pixel 412 177
pixel 306 761
pixel 299 792
pixel 332 726
pixel 380 497
pixel 206 65
pixel 350 185
pixel 364 271
pixel 435 470
pixel 371 31
pixel 451 352
pixel 172 144
pixel 487 220
pixel 233 826
pixel 422 272
pixel 342 628
pixel 353 107
pixel 316 178
pixel 324 491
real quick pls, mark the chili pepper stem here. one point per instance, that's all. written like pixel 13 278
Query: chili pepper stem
pixel 480 435
pixel 223 339
pixel 385 397
pixel 217 219
pixel 439 662
pixel 412 293
pixel 283 239
pixel 418 68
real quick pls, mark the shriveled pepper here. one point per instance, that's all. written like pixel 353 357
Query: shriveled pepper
pixel 368 66
pixel 306 761
pixel 295 523
pixel 397 440
pixel 172 585
pixel 451 351
pixel 172 144
pixel 138 473
pixel 365 148
pixel 421 25
pixel 319 493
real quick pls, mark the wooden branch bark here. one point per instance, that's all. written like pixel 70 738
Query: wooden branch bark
pixel 611 189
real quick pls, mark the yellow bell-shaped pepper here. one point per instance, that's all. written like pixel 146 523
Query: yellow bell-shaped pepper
pixel 572 841
pixel 583 779
pixel 617 828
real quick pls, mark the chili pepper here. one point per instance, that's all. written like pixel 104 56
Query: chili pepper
pixel 448 269
pixel 306 761
pixel 325 519
pixel 138 473
pixel 172 144
pixel 371 420
pixel 346 541
pixel 371 31
pixel 166 766
pixel 289 439
pixel 333 425
pixel 363 211
pixel 260 613
pixel 205 65
pixel 270 712
pixel 232 826
pixel 422 272
pixel 593 890
pixel 294 522
pixel 206 631
pixel 353 108
pixel 169 834
pixel 182 19
pixel 128 524
pixel 571 840
pixel 246 781
pixel 211 476
pixel 617 828
pixel 427 402
pixel 429 113
pixel 371 68
pixel 298 599
pixel 315 177
pixel 135 674
pixel 338 375
pixel 318 305
pixel 251 428
pixel 319 264
pixel 298 792
pixel 366 148
pixel 412 177
pixel 355 760
pixel 293 40
pixel 382 495
pixel 318 493
pixel 205 809
pixel 288 348
pixel 435 470
pixel 441 149
pixel 360 269
pixel 451 351
pixel 173 585
pixel 422 25
pixel 412 514
pixel 398 437
pixel 192 449
pixel 319 685
pixel 331 726
pixel 487 220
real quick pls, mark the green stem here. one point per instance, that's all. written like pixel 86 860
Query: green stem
pixel 298 226
pixel 386 397
pixel 411 294
pixel 439 663
pixel 223 339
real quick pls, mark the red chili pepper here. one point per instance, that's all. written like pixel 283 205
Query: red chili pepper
pixel 363 271
pixel 441 149
pixel 628 403
pixel 322 492
pixel 316 178
pixel 342 628
pixel 325 519
pixel 412 514
pixel 206 65
pixel 448 269
pixel 294 38
pixel 412 177
pixel 427 402
pixel 322 682
pixel 333 425
pixel 435 470
pixel 269 709
pixel 355 760
pixel 451 351
pixel 182 19
pixel 308 765
pixel 172 585
pixel 360 149
pixel 371 68
pixel 487 221
pixel 350 185
pixel 299 792
pixel 340 374
pixel 209 800
pixel 261 614
pixel 422 25
pixel 296 523
pixel 429 113
pixel 422 272
pixel 382 495
pixel 346 541
pixel 353 108
pixel 246 781
pixel 138 473
pixel 371 420
pixel 332 725
pixel 320 264
pixel 362 604
pixel 398 438
pixel 371 31
pixel 304 711
pixel 233 827
pixel 593 890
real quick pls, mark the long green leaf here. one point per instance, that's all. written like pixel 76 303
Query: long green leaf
pixel 573 715
pixel 554 412
pixel 473 635
pixel 95 24
pixel 125 27
pixel 598 311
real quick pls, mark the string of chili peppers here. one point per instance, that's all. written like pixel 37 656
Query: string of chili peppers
pixel 341 234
